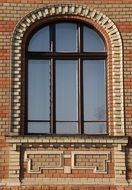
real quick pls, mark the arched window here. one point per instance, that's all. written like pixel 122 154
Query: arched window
pixel 66 80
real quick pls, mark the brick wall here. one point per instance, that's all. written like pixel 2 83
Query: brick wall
pixel 72 163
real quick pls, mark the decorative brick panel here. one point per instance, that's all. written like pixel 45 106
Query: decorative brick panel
pixel 91 160
pixel 101 160
pixel 38 160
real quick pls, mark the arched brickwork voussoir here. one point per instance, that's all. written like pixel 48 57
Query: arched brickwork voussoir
pixel 75 10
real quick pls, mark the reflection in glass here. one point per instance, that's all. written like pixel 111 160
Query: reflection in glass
pixel 66 128
pixel 38 127
pixel 94 90
pixel 38 90
pixel 66 37
pixel 92 41
pixel 40 41
pixel 66 88
pixel 95 127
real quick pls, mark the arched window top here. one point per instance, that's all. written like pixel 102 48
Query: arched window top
pixel 40 40
pixel 92 42
pixel 66 37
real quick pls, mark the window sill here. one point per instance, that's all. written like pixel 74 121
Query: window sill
pixel 67 139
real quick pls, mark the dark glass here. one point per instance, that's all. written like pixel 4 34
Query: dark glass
pixel 66 128
pixel 92 42
pixel 40 41
pixel 38 90
pixel 66 37
pixel 66 90
pixel 38 127
pixel 95 127
pixel 94 90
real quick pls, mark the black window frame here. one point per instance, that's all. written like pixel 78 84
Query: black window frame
pixel 52 55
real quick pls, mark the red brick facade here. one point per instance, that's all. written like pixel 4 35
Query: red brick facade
pixel 62 162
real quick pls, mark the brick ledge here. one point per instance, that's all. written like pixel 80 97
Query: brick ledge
pixel 69 181
pixel 68 139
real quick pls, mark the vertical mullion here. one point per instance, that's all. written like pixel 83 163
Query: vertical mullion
pixel 80 96
pixel 52 98
pixel 80 82
pixel 52 82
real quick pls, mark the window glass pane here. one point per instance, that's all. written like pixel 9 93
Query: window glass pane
pixel 66 90
pixel 92 41
pixel 94 90
pixel 66 37
pixel 95 127
pixel 38 90
pixel 40 40
pixel 38 127
pixel 66 128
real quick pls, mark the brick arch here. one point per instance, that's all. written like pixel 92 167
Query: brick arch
pixel 76 10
